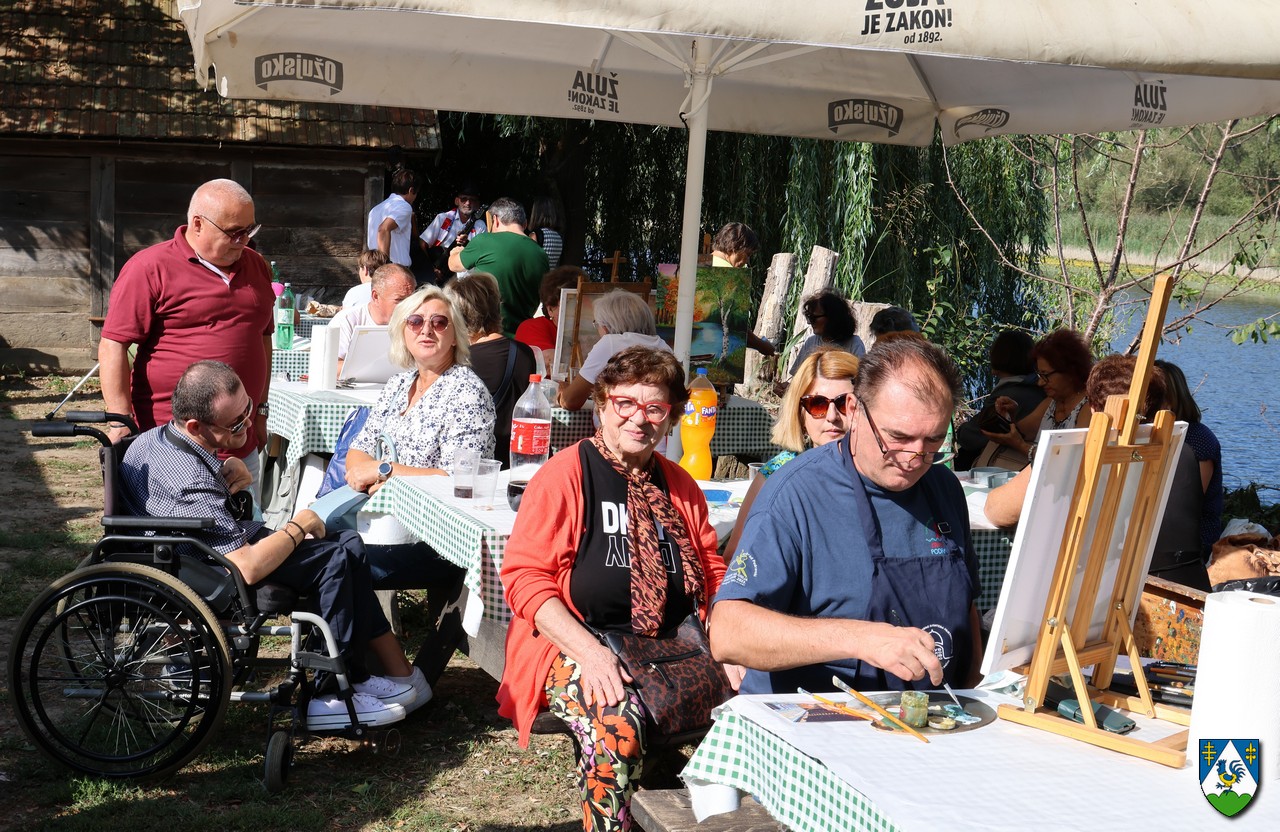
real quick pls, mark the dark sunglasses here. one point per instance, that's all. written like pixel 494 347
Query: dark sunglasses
pixel 438 323
pixel 241 426
pixel 816 406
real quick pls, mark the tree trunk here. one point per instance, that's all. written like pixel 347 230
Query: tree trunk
pixel 760 371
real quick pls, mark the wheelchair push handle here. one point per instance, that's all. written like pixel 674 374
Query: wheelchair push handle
pixel 97 417
pixel 75 421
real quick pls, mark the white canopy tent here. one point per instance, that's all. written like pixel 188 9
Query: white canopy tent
pixel 873 70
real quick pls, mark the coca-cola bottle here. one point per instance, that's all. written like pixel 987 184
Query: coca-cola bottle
pixel 530 438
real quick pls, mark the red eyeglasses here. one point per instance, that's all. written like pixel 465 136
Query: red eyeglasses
pixel 654 412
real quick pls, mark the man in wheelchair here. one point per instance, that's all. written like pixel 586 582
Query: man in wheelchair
pixel 173 470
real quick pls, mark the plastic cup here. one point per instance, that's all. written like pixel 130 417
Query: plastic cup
pixel 486 483
pixel 463 472
pixel 515 493
pixel 754 469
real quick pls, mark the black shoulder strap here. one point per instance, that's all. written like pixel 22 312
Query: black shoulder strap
pixel 501 394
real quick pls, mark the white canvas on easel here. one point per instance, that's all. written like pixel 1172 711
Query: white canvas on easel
pixel 565 316
pixel 1041 526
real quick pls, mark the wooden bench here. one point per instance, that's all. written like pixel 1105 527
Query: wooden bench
pixel 669 810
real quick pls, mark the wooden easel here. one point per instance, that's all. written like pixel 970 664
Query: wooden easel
pixel 643 288
pixel 1061 645
pixel 704 253
pixel 616 260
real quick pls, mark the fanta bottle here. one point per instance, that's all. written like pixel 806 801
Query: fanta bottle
pixel 697 426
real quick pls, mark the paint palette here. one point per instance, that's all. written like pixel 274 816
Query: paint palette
pixel 977 712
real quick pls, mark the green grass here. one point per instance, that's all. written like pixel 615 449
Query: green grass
pixel 1149 234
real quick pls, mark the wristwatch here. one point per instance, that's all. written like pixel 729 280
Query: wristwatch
pixel 264 409
pixel 384 471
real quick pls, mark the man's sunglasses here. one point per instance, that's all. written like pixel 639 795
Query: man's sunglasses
pixel 235 235
pixel 817 406
pixel 438 323
pixel 242 425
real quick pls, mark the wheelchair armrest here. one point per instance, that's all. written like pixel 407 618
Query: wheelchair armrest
pixel 182 524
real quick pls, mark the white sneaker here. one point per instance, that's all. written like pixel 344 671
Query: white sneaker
pixel 329 713
pixel 420 686
pixel 389 692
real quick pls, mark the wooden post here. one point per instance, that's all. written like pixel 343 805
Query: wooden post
pixel 770 324
pixel 102 242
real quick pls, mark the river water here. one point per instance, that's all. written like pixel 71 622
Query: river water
pixel 1236 386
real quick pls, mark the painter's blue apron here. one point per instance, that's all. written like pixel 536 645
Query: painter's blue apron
pixel 933 593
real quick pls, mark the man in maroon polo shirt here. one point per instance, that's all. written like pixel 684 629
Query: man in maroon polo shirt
pixel 201 295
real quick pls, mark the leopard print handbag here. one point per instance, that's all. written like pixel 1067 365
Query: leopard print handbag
pixel 678 681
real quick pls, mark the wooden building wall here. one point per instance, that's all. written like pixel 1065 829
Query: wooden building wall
pixel 70 220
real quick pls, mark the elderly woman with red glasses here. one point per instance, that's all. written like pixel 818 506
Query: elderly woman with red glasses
pixel 614 537
pixel 434 410
pixel 814 411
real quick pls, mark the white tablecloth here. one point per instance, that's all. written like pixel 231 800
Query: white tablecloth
pixel 1003 776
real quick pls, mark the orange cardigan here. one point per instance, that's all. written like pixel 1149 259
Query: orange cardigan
pixel 539 560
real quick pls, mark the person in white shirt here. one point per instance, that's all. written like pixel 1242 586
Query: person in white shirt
pixel 623 320
pixel 391 284
pixel 366 264
pixel 391 221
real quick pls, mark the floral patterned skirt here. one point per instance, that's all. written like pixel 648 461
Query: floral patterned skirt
pixel 610 742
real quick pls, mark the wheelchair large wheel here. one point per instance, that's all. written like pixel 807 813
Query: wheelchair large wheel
pixel 120 670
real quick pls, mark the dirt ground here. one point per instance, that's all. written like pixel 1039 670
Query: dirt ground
pixel 51 491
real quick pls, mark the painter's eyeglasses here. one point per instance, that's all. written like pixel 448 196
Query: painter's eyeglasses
pixel 901 456
pixel 242 425
pixel 1047 375
pixel 817 406
pixel 438 323
pixel 655 413
pixel 237 236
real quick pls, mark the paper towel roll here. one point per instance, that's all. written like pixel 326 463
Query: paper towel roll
pixel 322 371
pixel 1238 678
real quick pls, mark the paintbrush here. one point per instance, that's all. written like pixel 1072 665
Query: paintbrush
pixel 836 706
pixel 838 682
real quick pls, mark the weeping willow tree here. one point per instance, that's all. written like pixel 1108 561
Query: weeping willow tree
pixel 903 235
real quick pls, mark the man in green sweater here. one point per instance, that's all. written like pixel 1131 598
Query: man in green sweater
pixel 510 255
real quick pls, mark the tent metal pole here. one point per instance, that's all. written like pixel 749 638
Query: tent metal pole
pixel 691 225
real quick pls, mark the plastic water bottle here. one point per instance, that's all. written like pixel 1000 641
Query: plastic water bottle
pixel 276 285
pixel 530 431
pixel 697 426
pixel 284 319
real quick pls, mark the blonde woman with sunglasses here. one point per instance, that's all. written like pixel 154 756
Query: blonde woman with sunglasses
pixel 814 411
pixel 438 407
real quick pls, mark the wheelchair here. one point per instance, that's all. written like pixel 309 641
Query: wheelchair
pixel 125 667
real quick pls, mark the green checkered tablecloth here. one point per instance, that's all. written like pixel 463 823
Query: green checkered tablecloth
pixel 293 362
pixel 797 789
pixel 306 323
pixel 743 427
pixel 311 420
pixel 993 547
pixel 473 539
